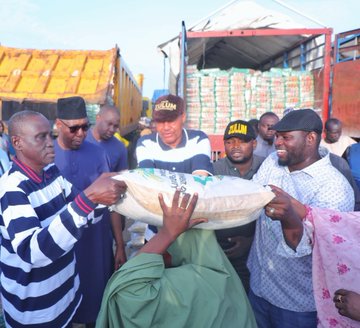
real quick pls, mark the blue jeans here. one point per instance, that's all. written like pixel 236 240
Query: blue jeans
pixel 271 316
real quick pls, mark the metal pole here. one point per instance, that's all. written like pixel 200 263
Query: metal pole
pixel 182 81
pixel 327 68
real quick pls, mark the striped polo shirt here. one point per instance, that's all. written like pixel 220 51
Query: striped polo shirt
pixel 191 154
pixel 41 218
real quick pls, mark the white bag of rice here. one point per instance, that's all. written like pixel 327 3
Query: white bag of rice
pixel 225 201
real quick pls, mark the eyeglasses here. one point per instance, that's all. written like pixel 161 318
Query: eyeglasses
pixel 76 128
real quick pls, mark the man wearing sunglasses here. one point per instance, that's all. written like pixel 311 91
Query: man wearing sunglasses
pixel 81 162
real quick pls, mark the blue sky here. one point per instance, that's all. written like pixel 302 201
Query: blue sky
pixel 136 26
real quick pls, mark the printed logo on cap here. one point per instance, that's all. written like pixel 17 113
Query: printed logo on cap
pixel 165 105
pixel 238 128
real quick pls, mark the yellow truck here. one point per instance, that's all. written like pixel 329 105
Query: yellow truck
pixel 35 79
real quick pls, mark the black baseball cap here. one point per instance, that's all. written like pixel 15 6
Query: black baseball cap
pixel 300 120
pixel 240 129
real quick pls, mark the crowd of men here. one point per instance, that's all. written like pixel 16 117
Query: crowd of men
pixel 58 235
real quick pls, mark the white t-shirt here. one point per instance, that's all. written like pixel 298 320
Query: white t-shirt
pixel 339 146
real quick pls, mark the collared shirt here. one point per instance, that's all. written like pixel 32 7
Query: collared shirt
pixel 279 274
pixel 191 154
pixel 41 221
pixel 224 166
pixel 263 148
pixel 244 233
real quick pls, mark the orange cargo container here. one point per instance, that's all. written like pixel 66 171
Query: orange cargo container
pixel 35 79
pixel 346 81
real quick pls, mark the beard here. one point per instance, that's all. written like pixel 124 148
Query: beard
pixel 242 160
pixel 283 162
pixel 269 140
pixel 291 159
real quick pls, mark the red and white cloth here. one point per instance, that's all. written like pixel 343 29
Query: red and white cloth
pixel 336 261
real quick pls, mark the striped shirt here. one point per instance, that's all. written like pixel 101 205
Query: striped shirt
pixel 192 153
pixel 41 219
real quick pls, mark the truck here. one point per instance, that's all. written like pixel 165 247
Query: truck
pixel 345 95
pixel 232 69
pixel 34 79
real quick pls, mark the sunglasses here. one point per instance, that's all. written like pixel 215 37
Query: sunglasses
pixel 76 128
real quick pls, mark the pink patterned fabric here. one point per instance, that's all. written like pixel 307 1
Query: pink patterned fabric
pixel 336 261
